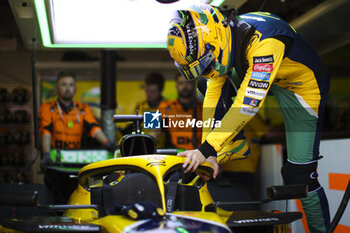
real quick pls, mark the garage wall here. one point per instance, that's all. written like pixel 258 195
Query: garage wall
pixel 15 68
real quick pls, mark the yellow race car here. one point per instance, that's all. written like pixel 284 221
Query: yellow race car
pixel 147 192
pixel 109 193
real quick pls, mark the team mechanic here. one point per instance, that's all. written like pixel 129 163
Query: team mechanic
pixel 182 109
pixel 266 53
pixel 62 123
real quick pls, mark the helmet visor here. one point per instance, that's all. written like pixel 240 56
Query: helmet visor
pixel 195 69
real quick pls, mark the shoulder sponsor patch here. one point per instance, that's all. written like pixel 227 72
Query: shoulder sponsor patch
pixel 251 102
pixel 263 59
pixel 263 67
pixel 255 93
pixel 261 75
pixel 250 111
pixel 258 84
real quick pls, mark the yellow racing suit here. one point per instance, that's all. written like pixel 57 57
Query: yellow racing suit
pixel 276 58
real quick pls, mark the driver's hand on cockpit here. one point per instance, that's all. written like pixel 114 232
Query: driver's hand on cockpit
pixel 214 163
pixel 196 158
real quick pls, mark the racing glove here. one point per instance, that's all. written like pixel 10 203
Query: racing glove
pixel 141 210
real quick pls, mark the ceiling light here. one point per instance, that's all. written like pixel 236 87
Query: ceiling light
pixel 107 23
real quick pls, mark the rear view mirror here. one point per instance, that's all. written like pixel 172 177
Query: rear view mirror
pixel 285 192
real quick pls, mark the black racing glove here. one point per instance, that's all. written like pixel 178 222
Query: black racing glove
pixel 111 146
pixel 141 210
pixel 46 161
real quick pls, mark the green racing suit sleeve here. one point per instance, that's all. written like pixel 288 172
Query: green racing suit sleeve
pixel 264 58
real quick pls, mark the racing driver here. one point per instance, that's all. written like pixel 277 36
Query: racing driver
pixel 267 54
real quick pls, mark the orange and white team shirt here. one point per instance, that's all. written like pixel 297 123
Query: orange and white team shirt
pixel 175 118
pixel 66 129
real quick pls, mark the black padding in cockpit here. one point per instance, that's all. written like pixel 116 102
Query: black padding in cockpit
pixel 134 187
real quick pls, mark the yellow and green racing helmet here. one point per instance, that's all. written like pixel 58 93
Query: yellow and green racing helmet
pixel 199 41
